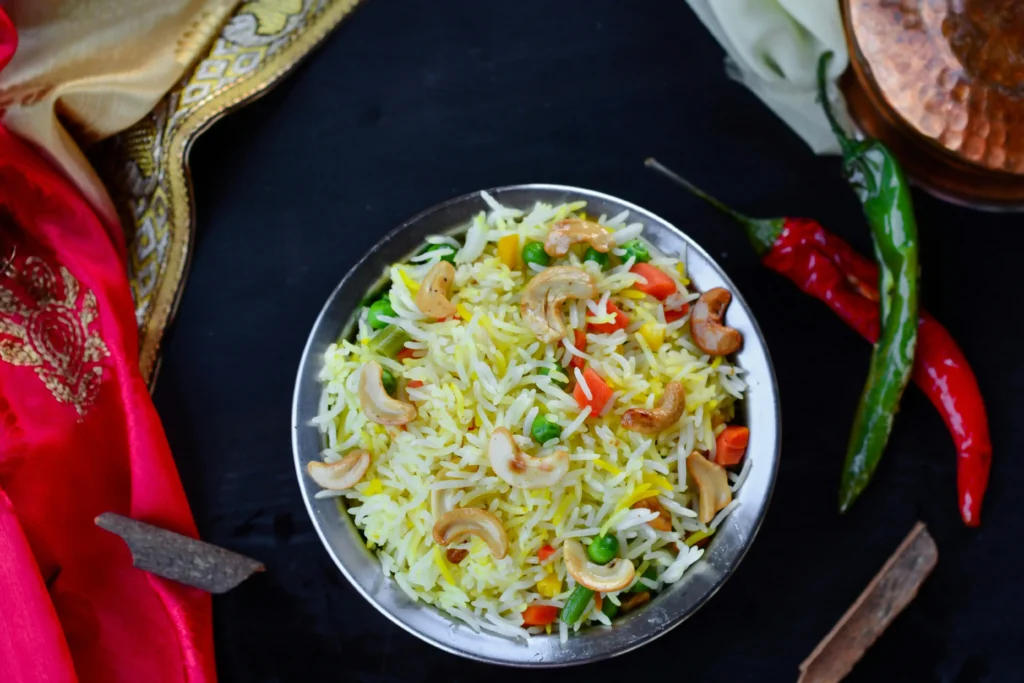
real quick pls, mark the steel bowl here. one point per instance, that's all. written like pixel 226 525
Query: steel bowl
pixel 674 604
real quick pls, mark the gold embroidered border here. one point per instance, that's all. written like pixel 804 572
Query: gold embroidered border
pixel 146 167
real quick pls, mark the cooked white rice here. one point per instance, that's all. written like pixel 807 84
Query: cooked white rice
pixel 481 372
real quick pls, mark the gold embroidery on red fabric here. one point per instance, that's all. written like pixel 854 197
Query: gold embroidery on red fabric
pixel 45 324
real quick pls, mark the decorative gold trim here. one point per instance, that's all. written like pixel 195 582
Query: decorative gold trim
pixel 149 178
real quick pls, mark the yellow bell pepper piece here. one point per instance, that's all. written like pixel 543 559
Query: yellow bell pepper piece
pixel 635 294
pixel 654 334
pixel 410 284
pixel 550 585
pixel 508 251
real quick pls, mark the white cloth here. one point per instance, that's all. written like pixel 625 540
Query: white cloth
pixel 773 48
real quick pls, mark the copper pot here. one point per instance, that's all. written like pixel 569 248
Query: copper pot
pixel 942 83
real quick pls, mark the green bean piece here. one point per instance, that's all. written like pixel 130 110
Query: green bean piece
pixel 603 549
pixel 639 587
pixel 576 604
pixel 389 381
pixel 610 609
pixel 389 341
pixel 533 252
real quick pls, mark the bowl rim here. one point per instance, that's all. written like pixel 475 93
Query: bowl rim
pixel 652 634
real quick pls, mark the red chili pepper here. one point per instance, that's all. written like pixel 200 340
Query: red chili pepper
pixel 544 552
pixel 829 269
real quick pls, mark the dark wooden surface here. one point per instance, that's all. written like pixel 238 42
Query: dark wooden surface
pixel 409 104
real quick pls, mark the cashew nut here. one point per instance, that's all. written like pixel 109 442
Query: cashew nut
pixel 340 475
pixel 663 522
pixel 440 501
pixel 543 297
pixel 634 600
pixel 521 470
pixel 567 233
pixel 457 524
pixel 603 578
pixel 709 334
pixel 668 411
pixel 432 297
pixel 712 485
pixel 377 405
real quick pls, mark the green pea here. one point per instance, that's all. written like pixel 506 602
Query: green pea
pixel 556 376
pixel 610 609
pixel 651 575
pixel 533 252
pixel 597 257
pixel 449 257
pixel 576 604
pixel 603 549
pixel 389 381
pixel 377 309
pixel 637 250
pixel 543 431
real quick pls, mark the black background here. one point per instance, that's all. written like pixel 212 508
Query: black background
pixel 410 103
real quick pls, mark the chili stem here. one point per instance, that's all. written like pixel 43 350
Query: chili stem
pixel 761 232
pixel 844 139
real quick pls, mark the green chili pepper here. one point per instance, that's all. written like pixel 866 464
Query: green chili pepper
pixel 574 607
pixel 877 179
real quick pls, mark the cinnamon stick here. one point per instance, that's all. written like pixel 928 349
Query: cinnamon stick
pixel 886 596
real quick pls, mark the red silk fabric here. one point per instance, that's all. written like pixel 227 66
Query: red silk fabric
pixel 79 436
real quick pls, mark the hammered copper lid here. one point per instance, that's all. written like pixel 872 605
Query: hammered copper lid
pixel 944 81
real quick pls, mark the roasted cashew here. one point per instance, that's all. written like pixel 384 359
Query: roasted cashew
pixel 663 522
pixel 432 297
pixel 567 233
pixel 603 578
pixel 521 470
pixel 457 524
pixel 709 334
pixel 633 600
pixel 712 485
pixel 377 405
pixel 541 305
pixel 341 475
pixel 668 411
